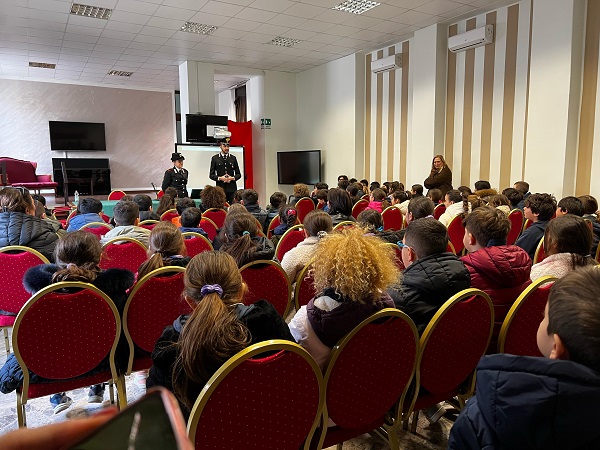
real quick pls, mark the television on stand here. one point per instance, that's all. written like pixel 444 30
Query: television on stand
pixel 302 166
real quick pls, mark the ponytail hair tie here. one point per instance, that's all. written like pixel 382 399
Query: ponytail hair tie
pixel 245 232
pixel 321 234
pixel 380 228
pixel 291 212
pixel 71 266
pixel 210 289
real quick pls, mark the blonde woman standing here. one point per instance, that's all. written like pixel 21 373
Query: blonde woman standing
pixel 440 176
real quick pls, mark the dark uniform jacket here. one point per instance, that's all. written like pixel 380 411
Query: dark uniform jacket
pixel 220 166
pixel 176 178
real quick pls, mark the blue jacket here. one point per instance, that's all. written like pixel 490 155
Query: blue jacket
pixel 80 220
pixel 530 238
pixel 524 402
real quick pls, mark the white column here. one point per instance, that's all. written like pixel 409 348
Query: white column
pixel 197 87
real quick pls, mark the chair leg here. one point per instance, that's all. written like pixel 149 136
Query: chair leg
pixel 121 392
pixel 6 341
pixel 415 420
pixel 111 391
pixel 339 446
pixel 393 439
pixel 21 418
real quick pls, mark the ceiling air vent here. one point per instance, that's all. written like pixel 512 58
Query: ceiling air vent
pixel 284 41
pixel 120 73
pixel 200 28
pixel 94 12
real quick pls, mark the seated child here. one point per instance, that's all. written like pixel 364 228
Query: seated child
pixel 590 208
pixel 321 197
pixel 569 205
pixel 432 275
pixel 166 248
pixel 514 197
pixel 524 402
pixel 345 296
pixel 182 204
pixel 144 203
pixel 77 257
pixel 499 270
pixel 212 197
pixel 276 201
pixel 242 241
pixel 165 203
pixel 287 217
pixel 250 201
pixel 435 195
pixel 400 200
pixel 500 202
pixel 567 242
pixel 191 350
pixel 88 211
pixel 539 208
pixel 372 222
pixel 339 206
pixel 190 221
pixel 377 200
pixel 127 215
pixel 454 206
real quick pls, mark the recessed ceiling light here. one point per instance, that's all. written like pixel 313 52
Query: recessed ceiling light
pixel 356 6
pixel 200 28
pixel 120 73
pixel 284 41
pixel 42 65
pixel 91 11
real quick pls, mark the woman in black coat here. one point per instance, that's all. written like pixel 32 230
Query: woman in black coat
pixel 440 176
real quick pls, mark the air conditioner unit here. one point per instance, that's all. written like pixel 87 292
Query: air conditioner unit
pixel 386 64
pixel 471 39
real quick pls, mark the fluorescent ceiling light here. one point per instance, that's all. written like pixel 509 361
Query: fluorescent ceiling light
pixel 200 28
pixel 356 6
pixel 42 65
pixel 120 73
pixel 284 41
pixel 91 11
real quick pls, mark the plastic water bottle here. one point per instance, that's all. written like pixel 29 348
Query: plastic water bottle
pixel 77 197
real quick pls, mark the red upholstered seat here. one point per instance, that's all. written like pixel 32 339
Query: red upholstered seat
pixel 304 206
pixel 438 211
pixel 292 237
pixel 195 243
pixel 123 253
pixel 451 346
pixel 266 280
pixel 272 403
pixel 540 252
pixel 518 335
pixel 154 303
pixel 98 229
pixel 304 290
pixel 14 262
pixel 116 195
pixel 209 226
pixel 360 206
pixel 456 233
pixel 516 225
pixel 398 256
pixel 216 215
pixel 169 215
pixel 275 222
pixel 392 218
pixel 87 336
pixel 148 224
pixel 368 373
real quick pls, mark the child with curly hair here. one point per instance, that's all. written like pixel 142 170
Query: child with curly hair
pixel 346 293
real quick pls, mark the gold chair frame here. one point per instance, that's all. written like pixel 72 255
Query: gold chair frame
pixel 295 227
pixel 193 234
pixel 277 265
pixel 538 249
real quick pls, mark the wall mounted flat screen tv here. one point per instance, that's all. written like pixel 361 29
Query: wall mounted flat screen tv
pixel 196 126
pixel 299 167
pixel 77 136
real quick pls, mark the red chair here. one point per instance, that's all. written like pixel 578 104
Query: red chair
pixel 266 280
pixel 516 225
pixel 15 260
pixel 216 215
pixel 344 224
pixel 123 253
pixel 456 233
pixel 368 374
pixel 105 218
pixel 209 226
pixel 540 252
pixel 438 211
pixel 98 229
pixel 169 215
pixel 148 224
pixel 392 218
pixel 159 194
pixel 65 224
pixel 64 354
pixel 155 302
pixel 248 402
pixel 304 206
pixel 359 207
pixel 304 291
pixel 275 222
pixel 116 195
pixel 452 344
pixel 398 256
pixel 527 224
pixel 450 248
pixel 292 237
pixel 518 335
pixel 365 197
pixel 195 243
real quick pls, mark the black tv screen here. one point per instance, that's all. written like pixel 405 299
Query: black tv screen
pixel 195 126
pixel 299 167
pixel 77 136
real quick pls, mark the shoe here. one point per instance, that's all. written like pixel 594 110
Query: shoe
pixel 435 413
pixel 60 402
pixel 96 393
pixel 140 378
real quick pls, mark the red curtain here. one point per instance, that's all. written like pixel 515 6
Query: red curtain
pixel 241 135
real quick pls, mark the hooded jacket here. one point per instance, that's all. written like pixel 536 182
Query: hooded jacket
pixel 131 231
pixel 80 220
pixel 530 238
pixel 427 284
pixel 530 403
pixel 502 272
pixel 17 228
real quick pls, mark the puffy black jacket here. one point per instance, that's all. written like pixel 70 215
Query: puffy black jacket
pixel 427 284
pixel 18 228
pixel 524 402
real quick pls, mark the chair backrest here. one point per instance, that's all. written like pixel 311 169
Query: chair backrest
pixel 345 224
pixel 392 218
pixel 359 207
pixel 597 257
pixel 116 195
pixel 518 335
pixel 216 215
pixel 195 243
pixel 304 206
pixel 275 222
pixel 455 339
pixel 385 344
pixel 169 215
pixel 266 280
pixel 438 211
pixel 527 224
pixel 248 402
pixel 159 194
pixel 148 224
pixel 210 227
pixel 292 237
pixel 516 225
pixel 456 233
pixel 540 252
pixel 123 253
pixel 45 346
pixel 15 260
pixel 450 248
pixel 98 229
pixel 155 301
pixel 304 290
pixel 397 256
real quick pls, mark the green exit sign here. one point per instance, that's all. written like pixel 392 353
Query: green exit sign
pixel 265 124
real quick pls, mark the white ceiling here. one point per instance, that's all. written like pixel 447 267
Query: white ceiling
pixel 143 37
